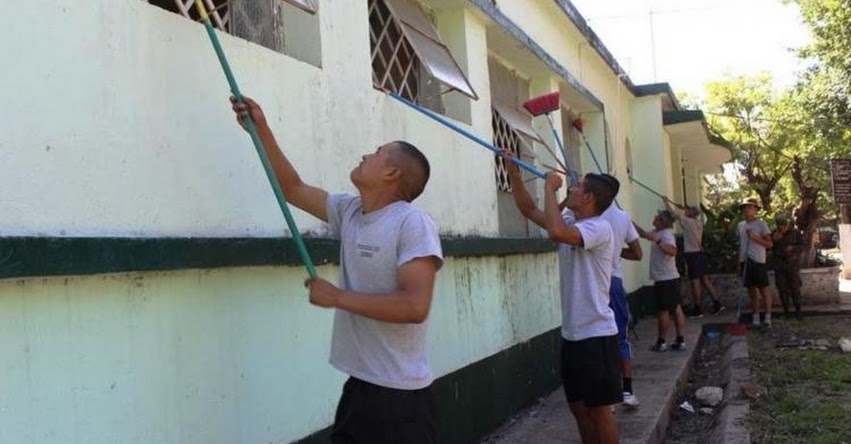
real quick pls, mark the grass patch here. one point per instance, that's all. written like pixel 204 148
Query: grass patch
pixel 809 391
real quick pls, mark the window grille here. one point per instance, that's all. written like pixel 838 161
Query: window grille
pixel 218 10
pixel 504 137
pixel 404 44
pixel 512 130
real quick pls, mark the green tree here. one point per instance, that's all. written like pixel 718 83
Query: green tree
pixel 825 87
pixel 743 110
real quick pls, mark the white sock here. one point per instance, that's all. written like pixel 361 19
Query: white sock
pixel 756 319
pixel 768 318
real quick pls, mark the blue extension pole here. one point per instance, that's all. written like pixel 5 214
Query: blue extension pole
pixel 258 145
pixel 526 166
pixel 593 156
pixel 645 187
pixel 574 176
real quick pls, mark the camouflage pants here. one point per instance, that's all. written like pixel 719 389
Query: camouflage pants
pixel 788 282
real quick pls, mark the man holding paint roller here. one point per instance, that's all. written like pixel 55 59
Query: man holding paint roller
pixel 694 256
pixel 389 256
pixel 590 372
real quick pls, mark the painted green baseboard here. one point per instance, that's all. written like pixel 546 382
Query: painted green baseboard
pixel 475 400
pixel 64 256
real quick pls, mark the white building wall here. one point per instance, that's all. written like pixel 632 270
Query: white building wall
pixel 119 125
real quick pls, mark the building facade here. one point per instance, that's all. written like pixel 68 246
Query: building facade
pixel 150 289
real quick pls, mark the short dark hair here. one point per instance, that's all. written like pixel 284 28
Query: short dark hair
pixel 602 189
pixel 414 166
pixel 613 181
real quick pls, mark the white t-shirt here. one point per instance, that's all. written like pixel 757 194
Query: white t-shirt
pixel 755 251
pixel 585 276
pixel 372 248
pixel 623 232
pixel 662 266
pixel 692 233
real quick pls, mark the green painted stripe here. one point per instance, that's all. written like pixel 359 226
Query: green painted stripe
pixel 473 401
pixel 59 256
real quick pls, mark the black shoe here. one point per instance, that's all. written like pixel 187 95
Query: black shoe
pixel 659 347
pixel 679 346
pixel 717 307
pixel 694 312
pixel 799 316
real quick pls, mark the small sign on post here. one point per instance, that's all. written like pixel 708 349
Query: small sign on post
pixel 840 173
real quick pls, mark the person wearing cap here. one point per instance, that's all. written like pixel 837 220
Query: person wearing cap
pixel 590 374
pixel 666 278
pixel 785 251
pixel 626 246
pixel 695 257
pixel 754 239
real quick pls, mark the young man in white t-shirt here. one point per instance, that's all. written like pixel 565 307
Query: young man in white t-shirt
pixel 666 280
pixel 626 246
pixel 754 239
pixel 389 255
pixel 590 369
pixel 695 257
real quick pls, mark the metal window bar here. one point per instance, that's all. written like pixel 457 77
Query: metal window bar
pixel 507 138
pixel 394 63
pixel 403 42
pixel 219 10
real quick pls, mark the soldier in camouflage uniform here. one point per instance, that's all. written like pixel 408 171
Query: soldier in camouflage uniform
pixel 785 251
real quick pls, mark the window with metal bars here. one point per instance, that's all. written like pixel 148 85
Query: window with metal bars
pixel 504 137
pixel 218 10
pixel 275 24
pixel 408 56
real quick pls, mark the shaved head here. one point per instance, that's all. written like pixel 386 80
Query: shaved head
pixel 414 167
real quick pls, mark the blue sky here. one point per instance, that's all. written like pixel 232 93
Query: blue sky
pixel 696 41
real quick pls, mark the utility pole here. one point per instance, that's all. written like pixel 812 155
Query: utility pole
pixel 653 46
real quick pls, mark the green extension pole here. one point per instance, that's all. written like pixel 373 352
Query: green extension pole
pixel 258 145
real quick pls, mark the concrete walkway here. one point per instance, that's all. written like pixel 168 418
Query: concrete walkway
pixel 656 378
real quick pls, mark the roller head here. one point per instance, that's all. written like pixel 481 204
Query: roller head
pixel 578 124
pixel 543 104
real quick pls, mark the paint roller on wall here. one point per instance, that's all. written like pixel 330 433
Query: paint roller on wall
pixel 258 145
pixel 544 105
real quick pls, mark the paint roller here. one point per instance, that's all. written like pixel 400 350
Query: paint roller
pixel 544 105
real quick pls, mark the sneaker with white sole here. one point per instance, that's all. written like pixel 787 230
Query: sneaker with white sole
pixel 678 346
pixel 630 401
pixel 659 347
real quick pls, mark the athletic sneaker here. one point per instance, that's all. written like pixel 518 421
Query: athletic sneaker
pixel 717 307
pixel 659 347
pixel 678 346
pixel 694 312
pixel 630 401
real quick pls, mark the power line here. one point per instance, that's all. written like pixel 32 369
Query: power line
pixel 762 119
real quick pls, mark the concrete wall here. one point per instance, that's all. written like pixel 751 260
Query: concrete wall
pixel 222 356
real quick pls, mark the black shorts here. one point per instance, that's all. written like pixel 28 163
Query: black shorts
pixel 696 264
pixel 667 294
pixel 756 274
pixel 368 413
pixel 591 371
